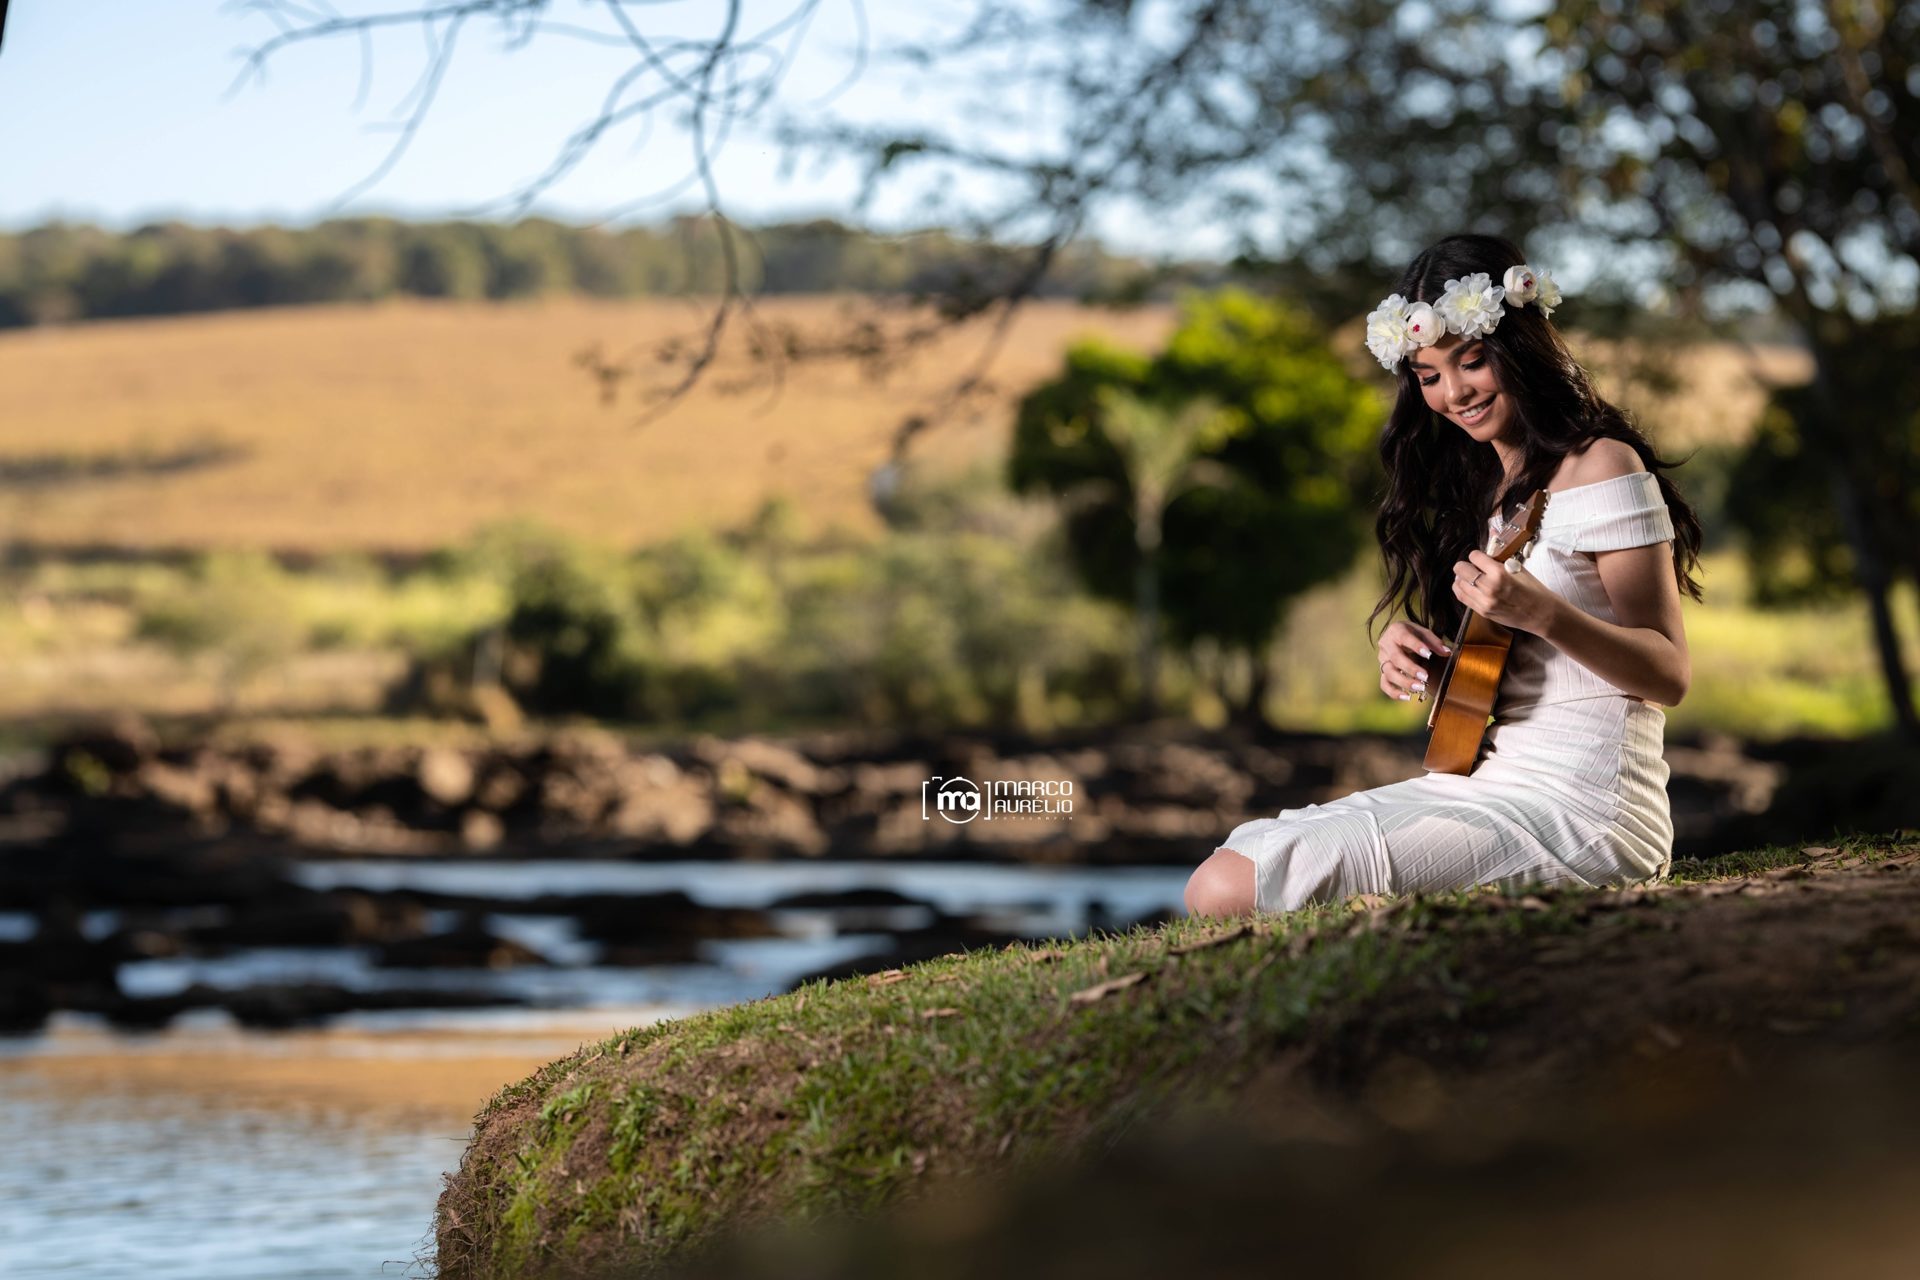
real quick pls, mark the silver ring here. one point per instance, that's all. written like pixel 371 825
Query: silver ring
pixel 1476 580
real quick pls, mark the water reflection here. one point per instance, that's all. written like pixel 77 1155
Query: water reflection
pixel 208 1151
pixel 116 1185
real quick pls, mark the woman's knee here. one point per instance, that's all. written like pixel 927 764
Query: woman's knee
pixel 1223 885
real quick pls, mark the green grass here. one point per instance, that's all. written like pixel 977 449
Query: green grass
pixel 1756 673
pixel 844 1096
pixel 147 637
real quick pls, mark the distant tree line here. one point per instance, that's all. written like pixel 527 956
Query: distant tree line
pixel 66 271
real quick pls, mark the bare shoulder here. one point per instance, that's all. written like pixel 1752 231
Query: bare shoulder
pixel 1601 459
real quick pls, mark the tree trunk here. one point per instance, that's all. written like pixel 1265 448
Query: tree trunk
pixel 1870 567
pixel 1893 666
pixel 1147 592
pixel 1259 681
pixel 1146 595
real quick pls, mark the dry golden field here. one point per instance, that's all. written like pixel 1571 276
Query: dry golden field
pixel 405 425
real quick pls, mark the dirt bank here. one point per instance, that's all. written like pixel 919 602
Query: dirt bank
pixel 1486 1022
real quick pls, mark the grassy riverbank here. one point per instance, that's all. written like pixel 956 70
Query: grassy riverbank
pixel 846 1097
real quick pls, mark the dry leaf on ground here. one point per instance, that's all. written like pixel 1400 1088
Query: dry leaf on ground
pixel 1087 995
pixel 1216 940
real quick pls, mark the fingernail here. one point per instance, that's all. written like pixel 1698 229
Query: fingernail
pixel 1425 652
pixel 1405 696
pixel 1421 687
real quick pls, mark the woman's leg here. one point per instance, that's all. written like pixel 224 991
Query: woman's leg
pixel 1222 886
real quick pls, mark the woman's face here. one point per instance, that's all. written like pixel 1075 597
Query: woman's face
pixel 1455 377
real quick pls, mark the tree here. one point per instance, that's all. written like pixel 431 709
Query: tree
pixel 1780 489
pixel 1158 445
pixel 1212 483
pixel 1704 156
pixel 443 261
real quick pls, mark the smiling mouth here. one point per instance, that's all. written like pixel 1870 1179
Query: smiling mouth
pixel 1478 412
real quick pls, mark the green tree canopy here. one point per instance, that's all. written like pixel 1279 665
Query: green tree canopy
pixel 1293 429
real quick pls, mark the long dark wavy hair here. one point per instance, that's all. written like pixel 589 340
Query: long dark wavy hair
pixel 1441 484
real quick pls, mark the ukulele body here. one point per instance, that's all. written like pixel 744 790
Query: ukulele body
pixel 1463 700
pixel 1463 704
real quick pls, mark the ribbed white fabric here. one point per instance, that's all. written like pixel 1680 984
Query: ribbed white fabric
pixel 1571 782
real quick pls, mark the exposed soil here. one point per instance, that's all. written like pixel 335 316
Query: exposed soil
pixel 1720 980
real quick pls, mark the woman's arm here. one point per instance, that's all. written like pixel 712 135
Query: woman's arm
pixel 1645 653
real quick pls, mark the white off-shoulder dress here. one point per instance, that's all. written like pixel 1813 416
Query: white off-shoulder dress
pixel 1570 785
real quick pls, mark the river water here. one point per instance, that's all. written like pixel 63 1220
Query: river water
pixel 210 1151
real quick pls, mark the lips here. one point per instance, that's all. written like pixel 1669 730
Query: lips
pixel 1479 412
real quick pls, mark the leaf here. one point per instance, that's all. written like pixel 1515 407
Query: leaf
pixel 887 978
pixel 1218 939
pixel 1099 991
pixel 1051 953
pixel 1664 1034
pixel 939 1013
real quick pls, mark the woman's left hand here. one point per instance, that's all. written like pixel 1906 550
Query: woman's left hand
pixel 1511 597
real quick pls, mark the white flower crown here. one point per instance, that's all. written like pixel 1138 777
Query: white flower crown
pixel 1470 307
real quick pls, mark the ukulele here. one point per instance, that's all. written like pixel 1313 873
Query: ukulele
pixel 1463 700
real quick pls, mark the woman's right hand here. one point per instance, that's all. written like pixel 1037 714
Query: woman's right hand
pixel 1406 653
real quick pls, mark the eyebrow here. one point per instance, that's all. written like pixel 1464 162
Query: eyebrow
pixel 1458 351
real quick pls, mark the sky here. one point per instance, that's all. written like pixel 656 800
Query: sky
pixel 124 112
pixel 121 112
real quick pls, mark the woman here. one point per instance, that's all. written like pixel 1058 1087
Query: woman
pixel 1570 785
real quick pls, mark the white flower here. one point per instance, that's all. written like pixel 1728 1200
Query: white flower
pixel 1548 296
pixel 1471 307
pixel 1387 334
pixel 1424 325
pixel 1521 284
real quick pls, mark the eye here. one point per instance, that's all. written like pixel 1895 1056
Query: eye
pixel 1479 361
